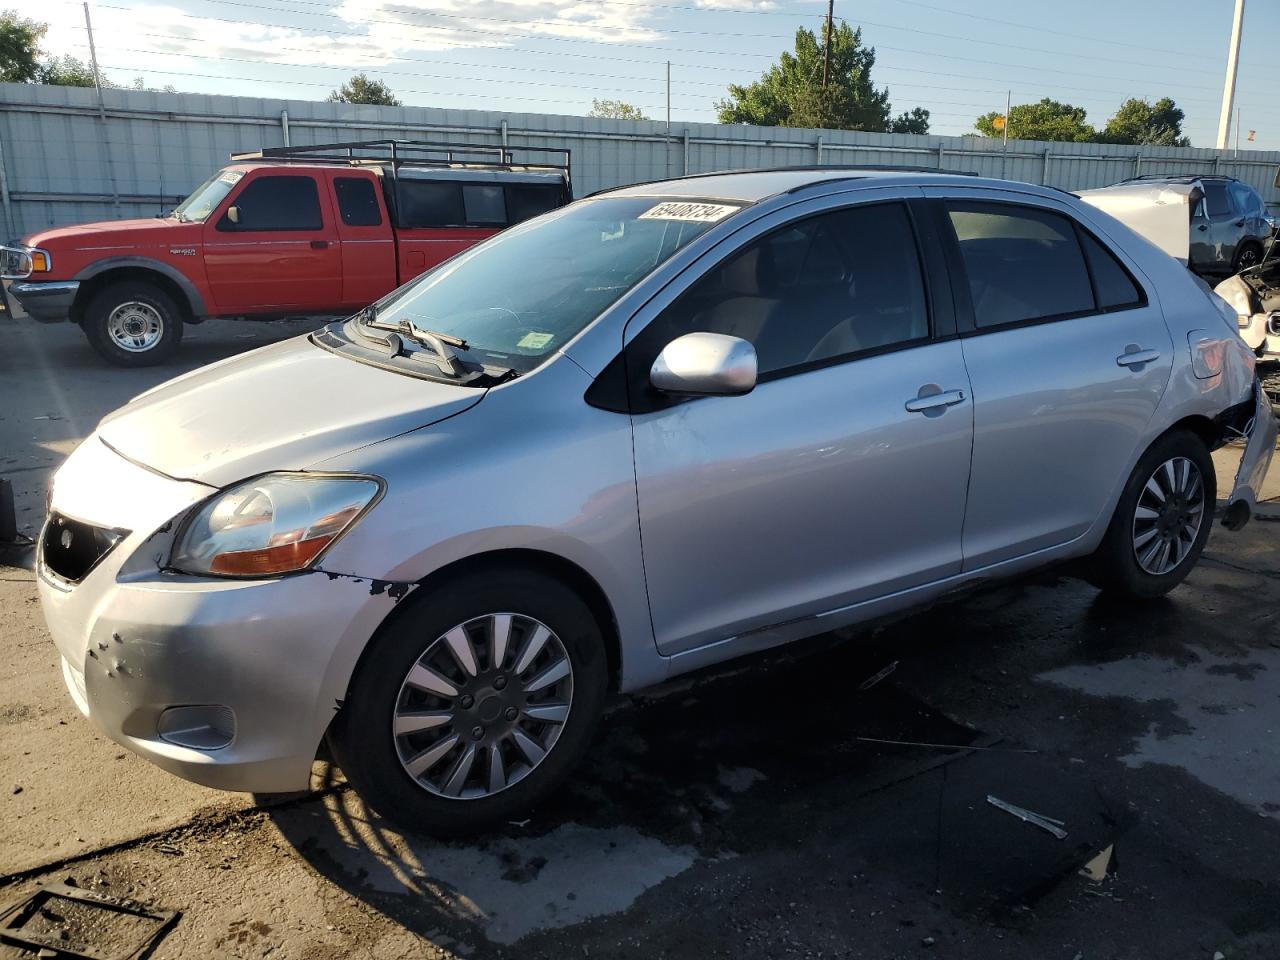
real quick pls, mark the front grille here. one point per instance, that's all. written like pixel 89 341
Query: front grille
pixel 71 548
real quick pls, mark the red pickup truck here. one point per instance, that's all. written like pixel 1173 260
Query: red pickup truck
pixel 321 230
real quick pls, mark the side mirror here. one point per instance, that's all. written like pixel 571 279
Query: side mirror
pixel 233 213
pixel 705 365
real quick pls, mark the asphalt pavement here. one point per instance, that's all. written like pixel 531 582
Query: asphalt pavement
pixel 771 808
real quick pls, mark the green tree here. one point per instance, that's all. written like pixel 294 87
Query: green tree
pixel 615 110
pixel 1138 121
pixel 20 48
pixel 361 89
pixel 66 71
pixel 915 121
pixel 1046 120
pixel 791 92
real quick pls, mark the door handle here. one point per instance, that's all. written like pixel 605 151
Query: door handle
pixel 1240 222
pixel 935 401
pixel 319 244
pixel 1203 227
pixel 1134 356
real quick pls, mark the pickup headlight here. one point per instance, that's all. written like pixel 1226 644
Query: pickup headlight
pixel 277 523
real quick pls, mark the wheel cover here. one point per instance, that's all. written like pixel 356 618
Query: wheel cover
pixel 1168 515
pixel 1248 258
pixel 483 706
pixel 135 327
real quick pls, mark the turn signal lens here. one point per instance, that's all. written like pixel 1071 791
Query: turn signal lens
pixel 275 524
pixel 40 262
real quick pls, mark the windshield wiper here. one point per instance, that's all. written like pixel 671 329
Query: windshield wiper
pixel 441 344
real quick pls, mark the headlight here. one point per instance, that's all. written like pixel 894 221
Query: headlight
pixel 278 523
pixel 1234 291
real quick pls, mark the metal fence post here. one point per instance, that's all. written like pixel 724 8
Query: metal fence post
pixel 686 151
pixel 10 228
pixel 819 146
pixel 1137 164
pixel 284 127
pixel 1044 173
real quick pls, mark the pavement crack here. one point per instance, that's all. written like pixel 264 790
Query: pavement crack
pixel 1269 574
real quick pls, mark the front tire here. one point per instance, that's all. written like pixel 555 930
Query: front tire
pixel 473 704
pixel 1162 521
pixel 133 324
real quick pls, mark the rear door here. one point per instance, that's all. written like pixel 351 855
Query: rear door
pixel 1068 356
pixel 1225 224
pixel 364 239
pixel 278 251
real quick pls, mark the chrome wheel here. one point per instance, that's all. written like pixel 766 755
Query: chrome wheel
pixel 135 327
pixel 1167 518
pixel 483 706
pixel 1249 257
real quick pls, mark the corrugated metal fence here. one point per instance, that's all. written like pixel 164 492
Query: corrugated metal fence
pixel 65 160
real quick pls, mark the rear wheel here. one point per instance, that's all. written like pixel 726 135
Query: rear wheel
pixel 475 704
pixel 1162 521
pixel 133 323
pixel 1249 255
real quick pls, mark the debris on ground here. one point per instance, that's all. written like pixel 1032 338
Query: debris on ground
pixel 1098 866
pixel 1047 824
pixel 60 919
pixel 875 678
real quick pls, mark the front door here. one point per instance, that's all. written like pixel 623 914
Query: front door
pixel 842 477
pixel 271 247
pixel 1068 358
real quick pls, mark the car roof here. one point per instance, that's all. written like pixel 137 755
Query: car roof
pixel 751 186
pixel 1174 178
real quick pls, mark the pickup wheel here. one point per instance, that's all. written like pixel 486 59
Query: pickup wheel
pixel 133 323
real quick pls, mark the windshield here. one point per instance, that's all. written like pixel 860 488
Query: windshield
pixel 525 293
pixel 197 207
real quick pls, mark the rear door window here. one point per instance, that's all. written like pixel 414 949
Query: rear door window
pixel 1217 198
pixel 285 202
pixel 1023 263
pixel 357 202
pixel 1247 202
pixel 484 205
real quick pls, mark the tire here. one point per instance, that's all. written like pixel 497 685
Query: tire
pixel 377 760
pixel 1123 562
pixel 133 323
pixel 1249 254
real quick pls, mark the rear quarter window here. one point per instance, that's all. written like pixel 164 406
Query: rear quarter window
pixel 357 202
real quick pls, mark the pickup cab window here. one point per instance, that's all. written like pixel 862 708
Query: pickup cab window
pixel 357 202
pixel 276 203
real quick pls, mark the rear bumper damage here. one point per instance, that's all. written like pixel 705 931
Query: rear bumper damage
pixel 1261 431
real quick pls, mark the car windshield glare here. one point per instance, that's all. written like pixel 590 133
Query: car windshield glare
pixel 522 295
pixel 206 197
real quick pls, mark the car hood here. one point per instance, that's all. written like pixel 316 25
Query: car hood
pixel 131 233
pixel 287 406
pixel 1159 212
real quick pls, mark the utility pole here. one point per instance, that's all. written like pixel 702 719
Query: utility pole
pixel 102 112
pixel 1229 86
pixel 826 49
pixel 668 98
pixel 1004 157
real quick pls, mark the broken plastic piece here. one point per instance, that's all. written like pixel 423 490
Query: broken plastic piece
pixel 1047 824
pixel 1097 867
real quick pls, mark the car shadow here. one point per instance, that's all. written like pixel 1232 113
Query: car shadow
pixel 781 753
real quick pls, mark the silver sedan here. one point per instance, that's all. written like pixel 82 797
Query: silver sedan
pixel 659 428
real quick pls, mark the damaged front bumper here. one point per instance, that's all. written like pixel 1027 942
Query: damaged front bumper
pixel 227 683
pixel 1261 431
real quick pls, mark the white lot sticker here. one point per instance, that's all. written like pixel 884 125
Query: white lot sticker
pixel 231 176
pixel 697 212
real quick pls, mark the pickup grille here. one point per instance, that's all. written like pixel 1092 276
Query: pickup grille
pixel 71 548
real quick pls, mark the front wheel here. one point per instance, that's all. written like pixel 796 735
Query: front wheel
pixel 1162 521
pixel 133 324
pixel 473 704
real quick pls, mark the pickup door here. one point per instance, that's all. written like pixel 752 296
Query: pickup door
pixel 281 255
pixel 364 231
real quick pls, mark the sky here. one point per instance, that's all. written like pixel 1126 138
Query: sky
pixel 954 57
